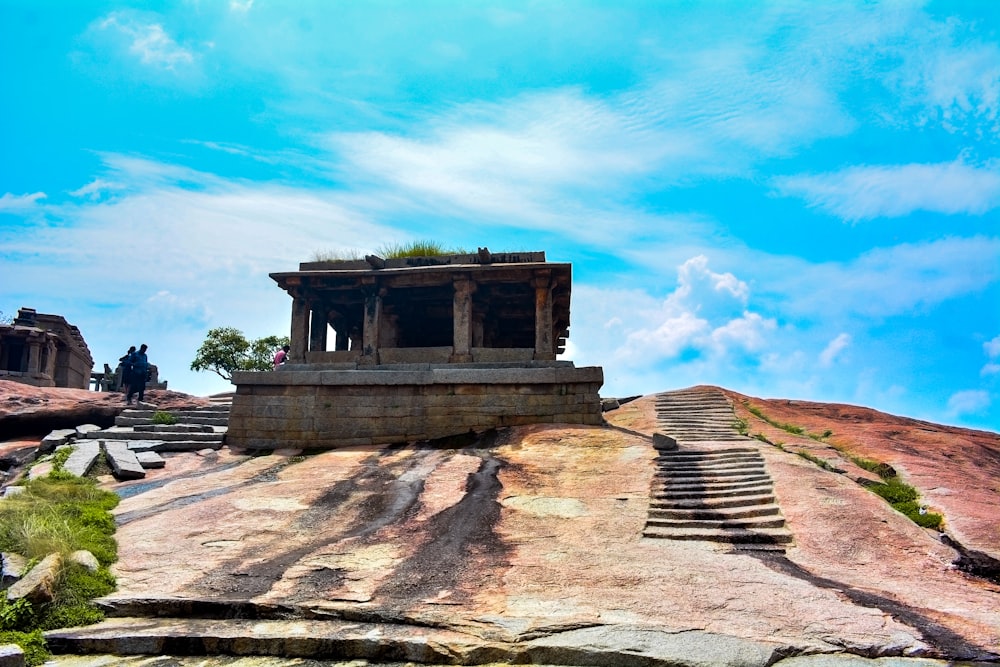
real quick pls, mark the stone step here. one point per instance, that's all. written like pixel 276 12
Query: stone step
pixel 173 428
pixel 729 524
pixel 171 445
pixel 296 640
pixel 115 433
pixel 709 474
pixel 713 484
pixel 709 466
pixel 711 453
pixel 123 420
pixel 723 514
pixel 731 536
pixel 714 503
pixel 757 489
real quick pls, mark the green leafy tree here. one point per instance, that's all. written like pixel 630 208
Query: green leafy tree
pixel 226 350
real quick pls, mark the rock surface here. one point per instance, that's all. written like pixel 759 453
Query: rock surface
pixel 25 409
pixel 527 546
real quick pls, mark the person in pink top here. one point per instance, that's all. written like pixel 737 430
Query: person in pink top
pixel 280 357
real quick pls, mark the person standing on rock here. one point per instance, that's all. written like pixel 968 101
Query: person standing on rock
pixel 140 369
pixel 125 363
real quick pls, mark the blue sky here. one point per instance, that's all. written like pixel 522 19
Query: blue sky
pixel 788 199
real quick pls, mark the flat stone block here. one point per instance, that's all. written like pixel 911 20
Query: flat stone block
pixel 11 655
pixel 83 457
pixel 150 460
pixel 122 460
pixel 86 428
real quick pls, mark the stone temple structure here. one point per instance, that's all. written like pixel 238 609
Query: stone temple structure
pixel 44 351
pixel 418 348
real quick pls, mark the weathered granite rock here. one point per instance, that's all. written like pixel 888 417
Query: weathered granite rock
pixel 12 568
pixel 86 559
pixel 38 584
pixel 36 410
pixel 954 469
pixel 664 442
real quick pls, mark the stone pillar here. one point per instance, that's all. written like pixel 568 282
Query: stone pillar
pixel 34 357
pixel 462 318
pixel 371 325
pixel 300 331
pixel 50 359
pixel 317 330
pixel 544 349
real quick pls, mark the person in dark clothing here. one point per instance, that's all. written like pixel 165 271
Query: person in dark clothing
pixel 126 365
pixel 140 369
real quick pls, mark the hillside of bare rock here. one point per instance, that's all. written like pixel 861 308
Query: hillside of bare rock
pixel 527 546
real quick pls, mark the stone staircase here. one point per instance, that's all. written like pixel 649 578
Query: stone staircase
pixel 133 444
pixel 707 487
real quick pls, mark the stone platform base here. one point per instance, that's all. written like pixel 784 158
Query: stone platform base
pixel 299 406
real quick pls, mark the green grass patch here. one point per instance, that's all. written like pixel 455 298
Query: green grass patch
pixel 815 459
pixel 162 417
pixel 421 248
pixel 784 426
pixel 59 513
pixel 742 426
pixel 883 470
pixel 903 498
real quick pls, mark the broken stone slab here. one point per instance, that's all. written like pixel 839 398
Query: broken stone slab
pixel 608 404
pixel 55 438
pixel 12 568
pixel 39 584
pixel 12 491
pixel 150 459
pixel 122 460
pixel 11 655
pixel 83 457
pixel 83 429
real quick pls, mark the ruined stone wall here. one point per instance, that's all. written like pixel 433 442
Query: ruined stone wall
pixel 328 409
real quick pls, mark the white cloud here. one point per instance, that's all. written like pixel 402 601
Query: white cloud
pixel 148 41
pixel 241 6
pixel 12 202
pixel 95 188
pixel 836 346
pixel 885 281
pixel 992 348
pixel 968 402
pixel 705 314
pixel 864 193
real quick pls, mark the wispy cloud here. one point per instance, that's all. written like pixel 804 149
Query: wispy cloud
pixel 968 402
pixel 12 202
pixel 833 350
pixel 867 192
pixel 992 349
pixel 147 40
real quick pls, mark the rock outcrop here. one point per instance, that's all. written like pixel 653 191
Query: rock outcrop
pixel 526 546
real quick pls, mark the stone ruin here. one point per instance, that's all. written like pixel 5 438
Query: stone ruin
pixel 44 351
pixel 419 348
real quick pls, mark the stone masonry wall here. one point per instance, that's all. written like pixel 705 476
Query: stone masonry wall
pixel 327 409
